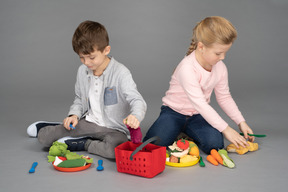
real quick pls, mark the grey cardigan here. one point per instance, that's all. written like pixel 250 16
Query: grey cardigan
pixel 119 98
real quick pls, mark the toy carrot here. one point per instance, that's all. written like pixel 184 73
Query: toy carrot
pixel 216 156
pixel 212 160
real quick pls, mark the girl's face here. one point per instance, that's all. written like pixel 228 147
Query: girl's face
pixel 95 60
pixel 209 56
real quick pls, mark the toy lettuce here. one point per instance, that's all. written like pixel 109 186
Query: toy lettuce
pixel 60 149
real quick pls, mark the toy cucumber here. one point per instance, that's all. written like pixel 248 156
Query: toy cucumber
pixel 72 163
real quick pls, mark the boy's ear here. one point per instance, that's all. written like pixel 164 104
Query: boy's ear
pixel 107 50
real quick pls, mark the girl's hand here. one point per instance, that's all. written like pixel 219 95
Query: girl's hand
pixel 245 129
pixel 68 120
pixel 234 137
pixel 131 121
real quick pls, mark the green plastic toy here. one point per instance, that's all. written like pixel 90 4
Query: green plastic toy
pixel 201 162
pixel 255 135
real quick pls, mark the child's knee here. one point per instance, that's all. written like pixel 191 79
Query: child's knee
pixel 44 139
pixel 211 144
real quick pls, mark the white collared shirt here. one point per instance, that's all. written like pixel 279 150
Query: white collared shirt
pixel 95 114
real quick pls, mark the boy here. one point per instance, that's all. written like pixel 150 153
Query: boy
pixel 106 99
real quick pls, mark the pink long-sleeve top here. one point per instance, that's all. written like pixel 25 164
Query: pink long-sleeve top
pixel 190 91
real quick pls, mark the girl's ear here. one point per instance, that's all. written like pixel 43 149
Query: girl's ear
pixel 107 50
pixel 200 46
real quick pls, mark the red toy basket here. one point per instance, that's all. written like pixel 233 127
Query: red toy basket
pixel 146 159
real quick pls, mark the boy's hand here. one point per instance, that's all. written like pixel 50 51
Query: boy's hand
pixel 131 121
pixel 245 129
pixel 70 120
pixel 234 137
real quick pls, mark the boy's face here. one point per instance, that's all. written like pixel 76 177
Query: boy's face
pixel 95 59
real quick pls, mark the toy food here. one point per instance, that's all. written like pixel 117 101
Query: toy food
pixel 212 160
pixel 242 150
pixel 188 158
pixel 63 158
pixel 173 159
pixel 182 153
pixel 72 163
pixel 194 150
pixel 227 161
pixel 58 149
pixel 215 157
pixel 183 144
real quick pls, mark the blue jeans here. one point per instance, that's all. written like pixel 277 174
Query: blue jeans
pixel 171 123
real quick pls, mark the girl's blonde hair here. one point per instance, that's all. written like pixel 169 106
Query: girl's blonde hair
pixel 211 30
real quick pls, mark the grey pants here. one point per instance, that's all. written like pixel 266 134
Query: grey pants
pixel 104 139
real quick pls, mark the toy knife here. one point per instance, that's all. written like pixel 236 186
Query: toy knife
pixel 255 135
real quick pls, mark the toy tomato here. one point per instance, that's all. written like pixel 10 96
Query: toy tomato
pixel 183 144
pixel 62 158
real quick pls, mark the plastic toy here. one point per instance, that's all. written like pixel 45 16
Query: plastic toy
pixel 71 126
pixel 255 135
pixel 100 167
pixel 146 159
pixel 34 165
pixel 72 169
pixel 201 162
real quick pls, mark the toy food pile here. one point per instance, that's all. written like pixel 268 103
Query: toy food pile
pixel 220 157
pixel 242 150
pixel 61 157
pixel 182 151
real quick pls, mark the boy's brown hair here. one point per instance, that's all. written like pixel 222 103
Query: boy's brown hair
pixel 90 36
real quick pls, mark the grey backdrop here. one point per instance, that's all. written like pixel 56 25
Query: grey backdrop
pixel 38 65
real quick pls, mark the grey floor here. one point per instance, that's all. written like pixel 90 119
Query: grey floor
pixel 37 76
pixel 263 170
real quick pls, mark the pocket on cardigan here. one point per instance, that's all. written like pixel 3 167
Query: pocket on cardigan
pixel 110 96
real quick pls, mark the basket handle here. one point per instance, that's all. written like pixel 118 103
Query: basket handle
pixel 155 138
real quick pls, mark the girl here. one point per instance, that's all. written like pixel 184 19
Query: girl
pixel 186 104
